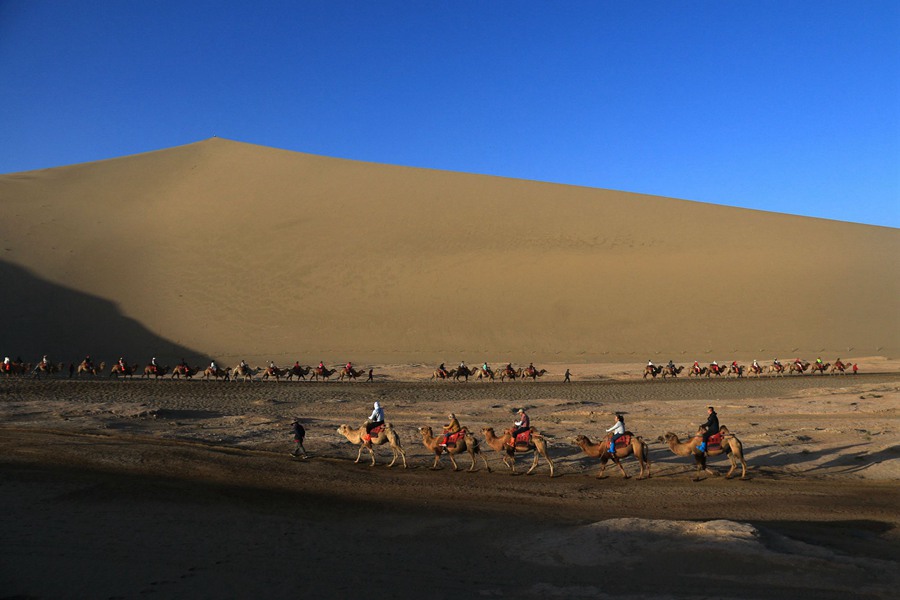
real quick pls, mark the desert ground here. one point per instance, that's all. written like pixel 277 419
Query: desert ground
pixel 124 489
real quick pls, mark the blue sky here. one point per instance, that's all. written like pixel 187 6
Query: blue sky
pixel 783 105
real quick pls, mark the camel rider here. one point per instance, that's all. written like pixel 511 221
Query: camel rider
pixel 696 367
pixel 709 428
pixel 777 364
pixel 462 365
pixel 530 370
pixel 6 365
pixel 183 363
pixel 45 361
pixel 650 364
pixel 450 428
pixel 618 430
pixel 321 366
pixel 122 363
pixel 87 362
pixel 734 366
pixel 756 367
pixel 375 419
pixel 522 424
pixel 213 367
pixel 671 365
pixel 154 365
pixel 819 362
pixel 715 366
pixel 509 369
pixel 272 364
pixel 349 367
pixel 485 368
pixel 442 370
pixel 297 365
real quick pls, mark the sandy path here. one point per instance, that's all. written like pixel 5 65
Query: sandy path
pixel 185 489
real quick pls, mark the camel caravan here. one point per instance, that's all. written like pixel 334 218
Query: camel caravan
pixel 244 373
pixel 523 439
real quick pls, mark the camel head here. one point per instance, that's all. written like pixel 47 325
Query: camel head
pixel 425 431
pixel 581 440
pixel 344 429
pixel 668 438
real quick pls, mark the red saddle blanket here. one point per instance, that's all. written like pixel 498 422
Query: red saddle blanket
pixel 376 430
pixel 714 440
pixel 623 441
pixel 523 439
pixel 454 438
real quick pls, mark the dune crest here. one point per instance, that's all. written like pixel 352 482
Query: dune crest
pixel 241 251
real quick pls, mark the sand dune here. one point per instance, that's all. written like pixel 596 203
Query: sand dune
pixel 236 251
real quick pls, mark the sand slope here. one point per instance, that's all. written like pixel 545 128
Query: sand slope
pixel 233 250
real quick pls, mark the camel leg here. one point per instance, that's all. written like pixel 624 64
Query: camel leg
pixel 437 460
pixel 453 462
pixel 602 466
pixel 472 454
pixel 533 463
pixel 621 468
pixel 359 454
pixel 510 461
pixel 549 462
pixel 398 451
pixel 486 465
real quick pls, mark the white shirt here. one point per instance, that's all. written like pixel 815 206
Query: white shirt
pixel 619 428
pixel 377 415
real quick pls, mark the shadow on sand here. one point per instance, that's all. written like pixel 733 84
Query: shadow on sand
pixel 40 317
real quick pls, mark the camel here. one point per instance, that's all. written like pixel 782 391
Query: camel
pixel 838 367
pixel 350 373
pixel 184 370
pixel 672 371
pixel 757 370
pixel 151 371
pixel 697 371
pixel 16 368
pixel 90 369
pixel 216 373
pixel 716 370
pixel 799 368
pixel 818 368
pixel 385 436
pixel 274 372
pixel 126 371
pixel 45 368
pixel 730 446
pixel 736 370
pixel 464 372
pixel 652 371
pixel 483 374
pixel 298 372
pixel 510 373
pixel 466 442
pixel 508 452
pixel 323 372
pixel 637 446
pixel 533 373
pixel 244 373
pixel 774 369
pixel 445 374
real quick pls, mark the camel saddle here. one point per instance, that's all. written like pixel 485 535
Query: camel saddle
pixel 523 439
pixel 454 438
pixel 714 440
pixel 623 441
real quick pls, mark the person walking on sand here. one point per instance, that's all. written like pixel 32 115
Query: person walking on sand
pixel 567 380
pixel 299 434
pixel 370 376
